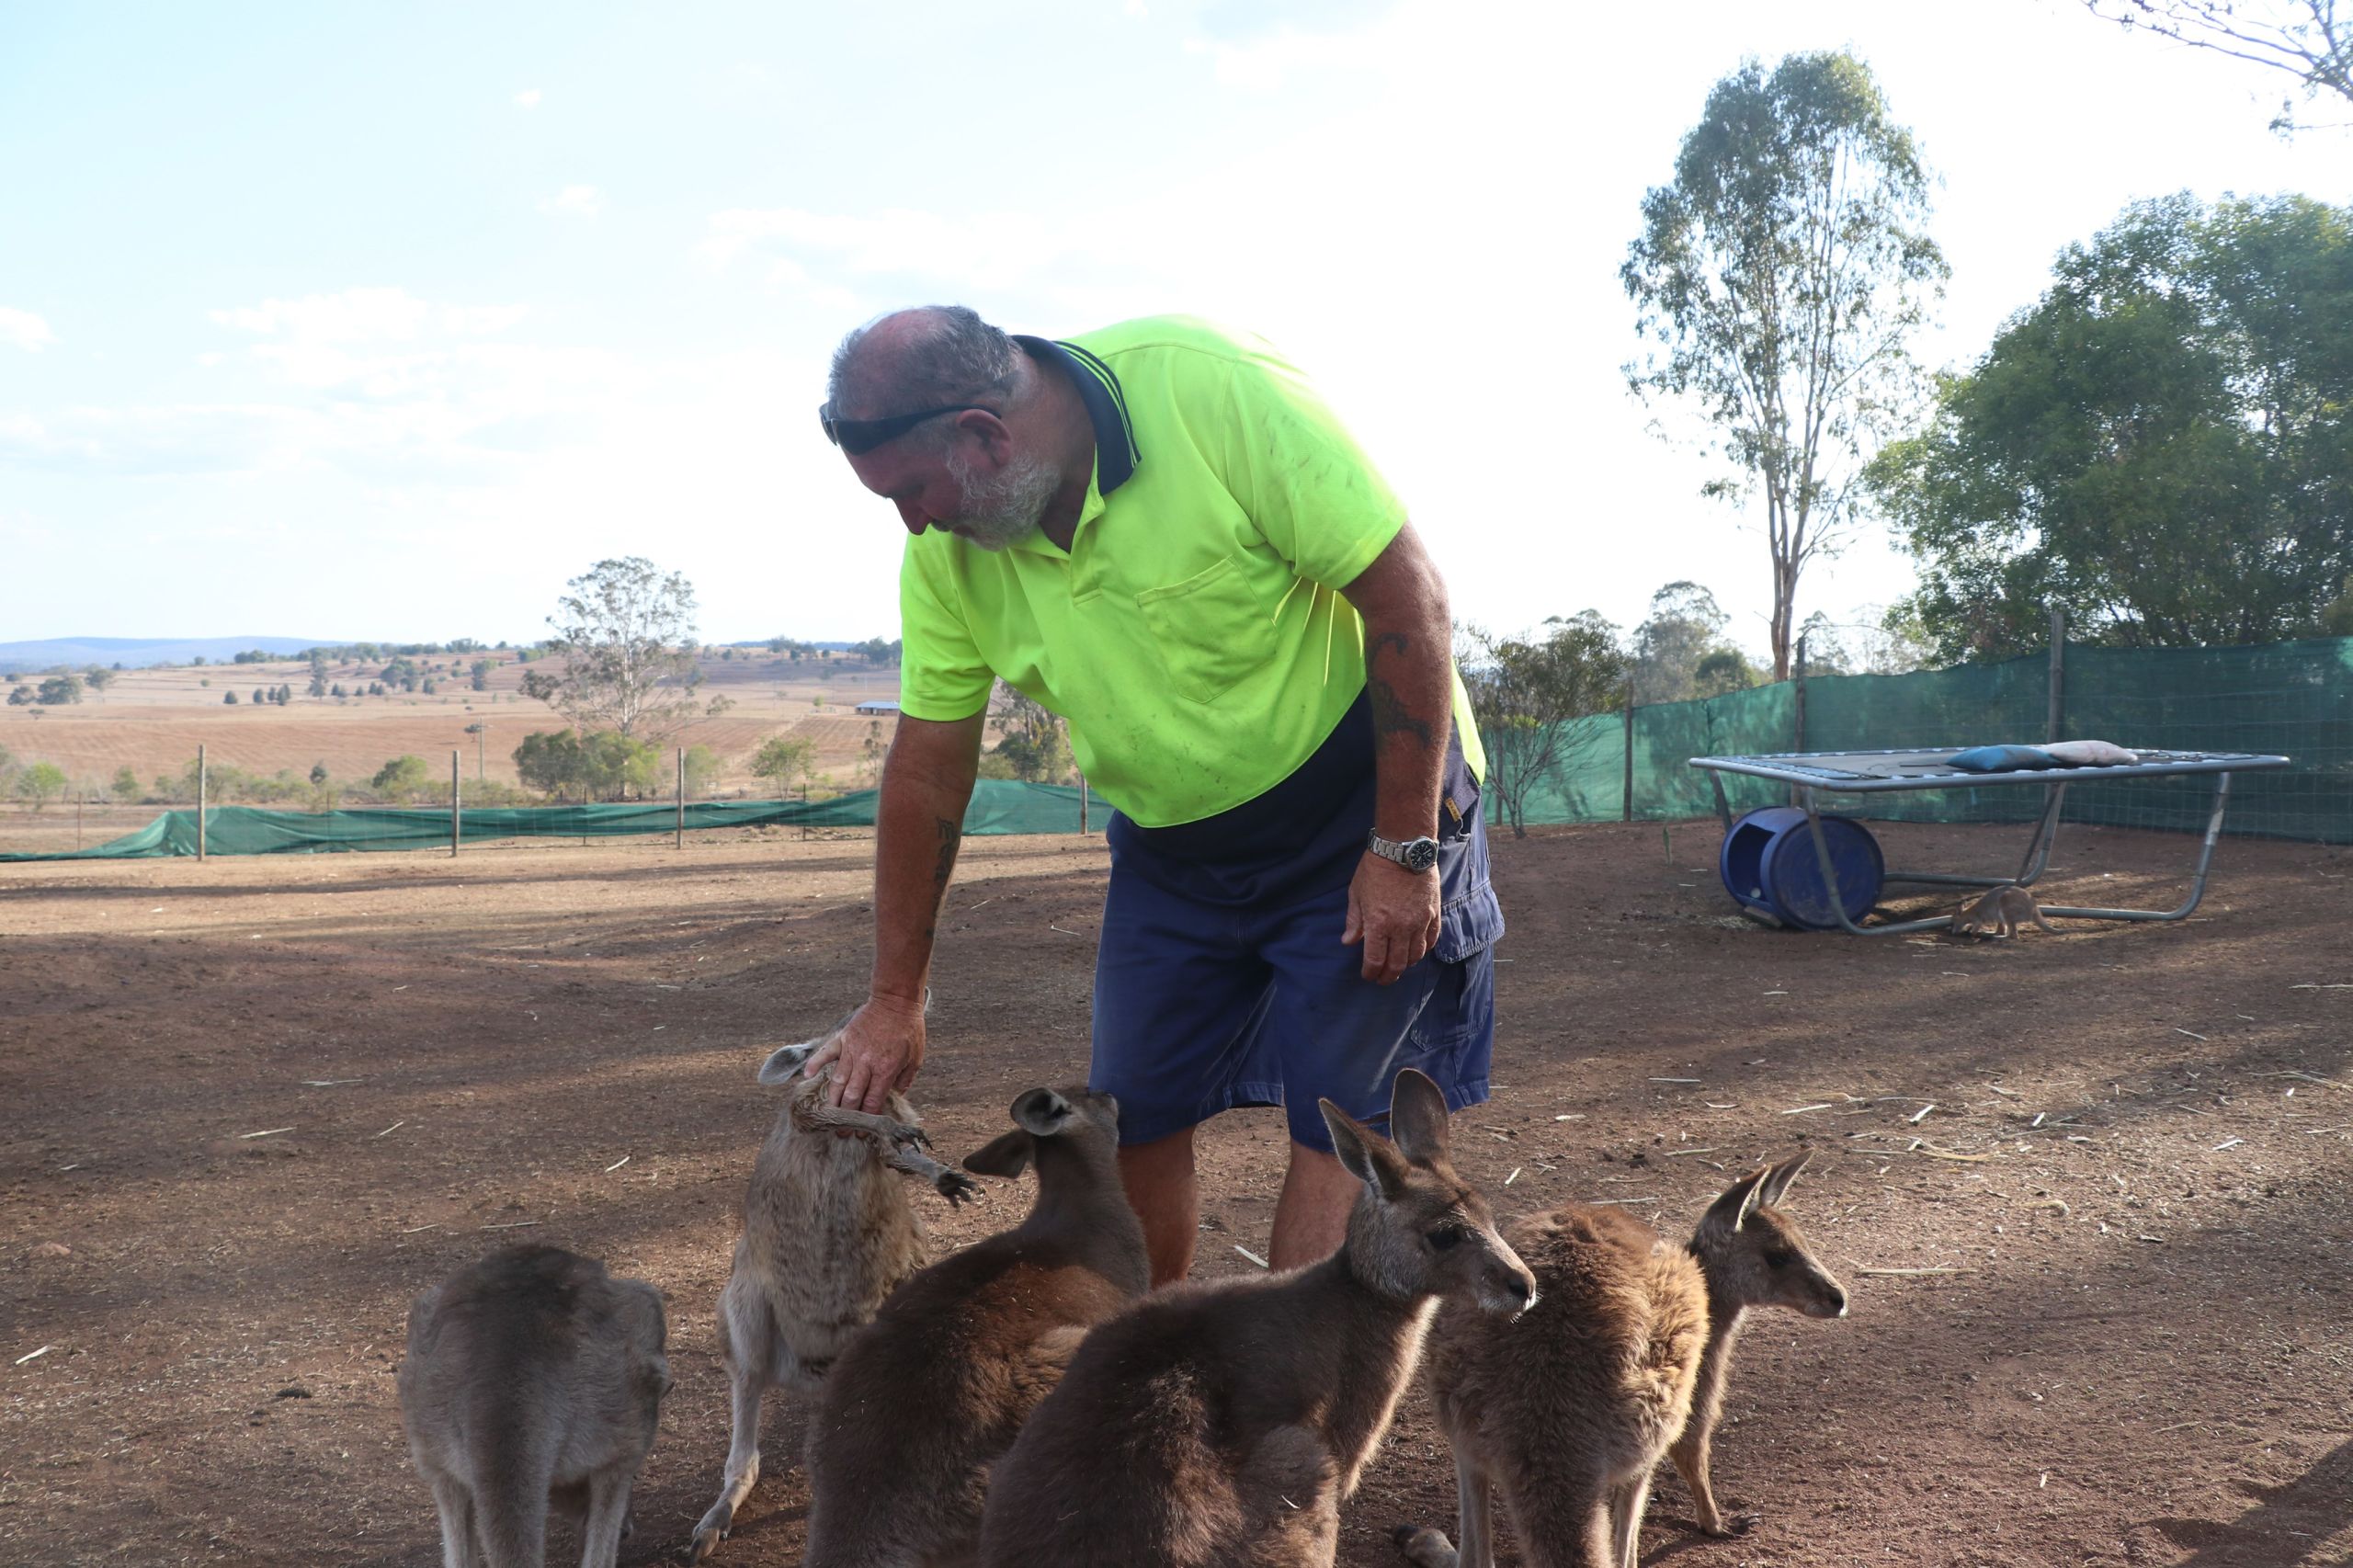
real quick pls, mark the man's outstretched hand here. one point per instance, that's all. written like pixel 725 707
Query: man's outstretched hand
pixel 880 1049
pixel 1394 912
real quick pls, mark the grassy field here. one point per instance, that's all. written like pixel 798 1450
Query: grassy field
pixel 151 721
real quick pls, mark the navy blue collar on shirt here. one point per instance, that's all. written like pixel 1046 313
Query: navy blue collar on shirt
pixel 1106 407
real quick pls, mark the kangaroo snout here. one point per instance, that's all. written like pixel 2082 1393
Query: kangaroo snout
pixel 1510 1288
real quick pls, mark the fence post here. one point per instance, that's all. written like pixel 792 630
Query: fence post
pixel 1082 805
pixel 455 752
pixel 1800 694
pixel 199 801
pixel 2058 724
pixel 680 842
pixel 1626 796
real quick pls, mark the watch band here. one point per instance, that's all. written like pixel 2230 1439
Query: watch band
pixel 1414 854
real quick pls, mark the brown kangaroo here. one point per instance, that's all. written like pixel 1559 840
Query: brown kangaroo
pixel 1222 1424
pixel 532 1378
pixel 2000 911
pixel 923 1401
pixel 1625 1360
pixel 828 1232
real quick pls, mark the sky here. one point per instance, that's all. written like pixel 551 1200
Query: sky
pixel 382 322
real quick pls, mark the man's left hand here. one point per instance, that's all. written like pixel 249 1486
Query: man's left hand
pixel 1394 912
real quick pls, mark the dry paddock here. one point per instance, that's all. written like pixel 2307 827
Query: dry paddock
pixel 2131 1169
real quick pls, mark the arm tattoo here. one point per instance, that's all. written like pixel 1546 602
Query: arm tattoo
pixel 1390 715
pixel 950 835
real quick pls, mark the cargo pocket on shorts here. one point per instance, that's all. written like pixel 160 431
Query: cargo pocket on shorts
pixel 1193 624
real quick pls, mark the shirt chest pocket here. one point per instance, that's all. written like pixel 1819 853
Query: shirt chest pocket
pixel 1209 630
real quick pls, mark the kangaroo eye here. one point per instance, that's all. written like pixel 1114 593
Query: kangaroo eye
pixel 1780 1258
pixel 1444 1237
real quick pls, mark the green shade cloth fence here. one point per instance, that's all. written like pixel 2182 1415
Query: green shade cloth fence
pixel 998 806
pixel 2294 699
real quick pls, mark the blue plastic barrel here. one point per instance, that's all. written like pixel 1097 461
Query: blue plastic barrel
pixel 1768 863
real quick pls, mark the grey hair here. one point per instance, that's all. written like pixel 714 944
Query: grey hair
pixel 947 354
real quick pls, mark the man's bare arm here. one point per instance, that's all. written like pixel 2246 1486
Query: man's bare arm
pixel 1409 682
pixel 918 825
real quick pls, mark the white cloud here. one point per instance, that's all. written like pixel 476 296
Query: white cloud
pixel 22 329
pixel 367 315
pixel 527 98
pixel 574 202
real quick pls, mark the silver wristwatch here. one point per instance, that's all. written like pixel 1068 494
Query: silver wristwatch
pixel 1414 854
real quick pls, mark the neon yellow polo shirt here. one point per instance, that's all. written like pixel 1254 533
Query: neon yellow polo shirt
pixel 1194 635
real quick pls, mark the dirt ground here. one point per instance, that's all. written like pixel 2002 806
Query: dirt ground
pixel 2130 1149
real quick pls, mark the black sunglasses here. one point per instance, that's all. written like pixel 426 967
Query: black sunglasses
pixel 859 437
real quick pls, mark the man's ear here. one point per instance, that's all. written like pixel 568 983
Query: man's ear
pixel 990 431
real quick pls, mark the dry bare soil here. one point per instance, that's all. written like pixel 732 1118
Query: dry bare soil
pixel 2130 1148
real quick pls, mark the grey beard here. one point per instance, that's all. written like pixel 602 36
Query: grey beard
pixel 1001 510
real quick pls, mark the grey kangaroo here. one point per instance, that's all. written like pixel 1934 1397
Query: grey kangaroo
pixel 2000 912
pixel 828 1232
pixel 924 1401
pixel 1569 1409
pixel 533 1379
pixel 1222 1424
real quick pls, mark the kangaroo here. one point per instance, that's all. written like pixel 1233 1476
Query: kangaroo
pixel 827 1235
pixel 923 1401
pixel 1219 1425
pixel 2003 910
pixel 532 1379
pixel 1570 1411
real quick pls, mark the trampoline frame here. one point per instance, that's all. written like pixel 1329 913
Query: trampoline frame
pixel 1809 779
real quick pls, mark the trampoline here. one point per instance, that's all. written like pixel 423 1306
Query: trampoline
pixel 1812 774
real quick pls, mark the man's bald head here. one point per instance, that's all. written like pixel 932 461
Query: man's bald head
pixel 930 357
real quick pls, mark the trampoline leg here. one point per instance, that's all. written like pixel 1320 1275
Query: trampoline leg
pixel 1724 807
pixel 2197 875
pixel 2046 836
pixel 1807 800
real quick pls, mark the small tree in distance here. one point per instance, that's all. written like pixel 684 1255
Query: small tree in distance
pixel 1525 690
pixel 42 783
pixel 784 760
pixel 627 634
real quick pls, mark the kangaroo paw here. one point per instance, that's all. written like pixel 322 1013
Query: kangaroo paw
pixel 956 1186
pixel 1734 1524
pixel 1423 1546
pixel 711 1531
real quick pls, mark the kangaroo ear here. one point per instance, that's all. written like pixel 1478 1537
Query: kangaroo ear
pixel 1417 1118
pixel 784 1063
pixel 1008 1155
pixel 1365 1154
pixel 1042 1112
pixel 1777 1179
pixel 1739 1200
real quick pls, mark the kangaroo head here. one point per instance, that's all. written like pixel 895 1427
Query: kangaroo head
pixel 1089 1123
pixel 1418 1229
pixel 1753 1254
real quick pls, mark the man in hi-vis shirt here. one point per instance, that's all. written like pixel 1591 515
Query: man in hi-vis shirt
pixel 1160 532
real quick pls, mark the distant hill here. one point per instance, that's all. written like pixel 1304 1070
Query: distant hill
pixel 135 652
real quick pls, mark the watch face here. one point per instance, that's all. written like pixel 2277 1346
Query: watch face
pixel 1421 853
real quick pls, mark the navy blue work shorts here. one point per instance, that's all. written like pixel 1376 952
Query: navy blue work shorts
pixel 1221 979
